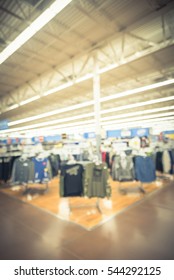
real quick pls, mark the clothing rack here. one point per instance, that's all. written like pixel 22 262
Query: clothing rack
pixel 125 190
pixel 32 181
pixel 166 177
pixel 140 168
pixel 35 190
pixel 89 180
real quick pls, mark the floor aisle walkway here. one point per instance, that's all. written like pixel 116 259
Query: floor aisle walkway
pixel 143 231
pixel 86 212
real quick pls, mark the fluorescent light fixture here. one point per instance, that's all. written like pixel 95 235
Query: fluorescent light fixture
pixel 138 113
pixel 139 118
pixel 92 115
pixel 90 103
pixel 50 127
pixel 91 127
pixel 44 132
pixel 55 112
pixel 12 107
pixel 137 123
pixel 91 121
pixel 29 100
pixel 56 89
pixel 102 119
pixel 114 96
pixel 85 104
pixel 66 129
pixel 164 123
pixel 34 27
pixel 137 90
pixel 140 104
pixel 82 123
pixel 58 121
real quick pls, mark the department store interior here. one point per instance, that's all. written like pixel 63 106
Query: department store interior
pixel 86 129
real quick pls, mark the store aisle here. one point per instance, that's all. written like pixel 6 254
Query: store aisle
pixel 143 231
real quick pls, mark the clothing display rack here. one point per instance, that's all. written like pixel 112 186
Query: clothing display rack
pixel 129 168
pixel 85 179
pixel 128 165
pixel 125 190
pixel 30 173
pixel 164 161
pixel 94 205
pixel 35 190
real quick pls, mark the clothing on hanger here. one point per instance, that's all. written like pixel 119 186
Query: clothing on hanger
pixel 23 171
pixel 42 169
pixel 89 180
pixel 145 169
pixel 123 168
pixel 71 180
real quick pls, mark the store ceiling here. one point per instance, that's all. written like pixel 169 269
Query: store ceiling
pixel 134 39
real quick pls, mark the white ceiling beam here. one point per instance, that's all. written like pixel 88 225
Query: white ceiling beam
pixel 20 6
pixel 84 65
pixel 142 53
pixel 33 28
pixel 141 39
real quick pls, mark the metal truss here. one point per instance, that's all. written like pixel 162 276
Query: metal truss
pixel 123 48
pixel 22 13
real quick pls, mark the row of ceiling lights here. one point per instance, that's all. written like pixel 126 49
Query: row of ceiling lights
pixel 166 123
pixel 83 116
pixel 104 99
pixel 33 28
pixel 53 10
pixel 118 122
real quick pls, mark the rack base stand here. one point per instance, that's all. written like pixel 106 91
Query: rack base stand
pixel 125 190
pixel 36 190
pixel 96 205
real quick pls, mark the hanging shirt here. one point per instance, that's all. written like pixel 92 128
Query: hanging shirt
pixel 123 168
pixel 41 170
pixel 71 180
pixel 144 169
pixel 159 163
pixel 96 180
pixel 54 164
pixel 5 168
pixel 172 162
pixel 103 156
pixel 166 161
pixel 23 171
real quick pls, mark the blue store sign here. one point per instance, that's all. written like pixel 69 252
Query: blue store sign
pixel 140 132
pixel 3 124
pixel 89 135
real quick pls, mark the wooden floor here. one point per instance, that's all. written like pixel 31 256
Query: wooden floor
pixel 144 231
pixel 88 213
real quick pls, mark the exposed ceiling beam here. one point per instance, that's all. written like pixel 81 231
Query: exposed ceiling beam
pixel 11 13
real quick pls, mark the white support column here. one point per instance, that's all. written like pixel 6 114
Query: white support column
pixel 96 95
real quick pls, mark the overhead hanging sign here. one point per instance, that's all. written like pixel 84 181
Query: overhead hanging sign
pixel 140 132
pixel 88 135
pixel 3 124
pixel 125 133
